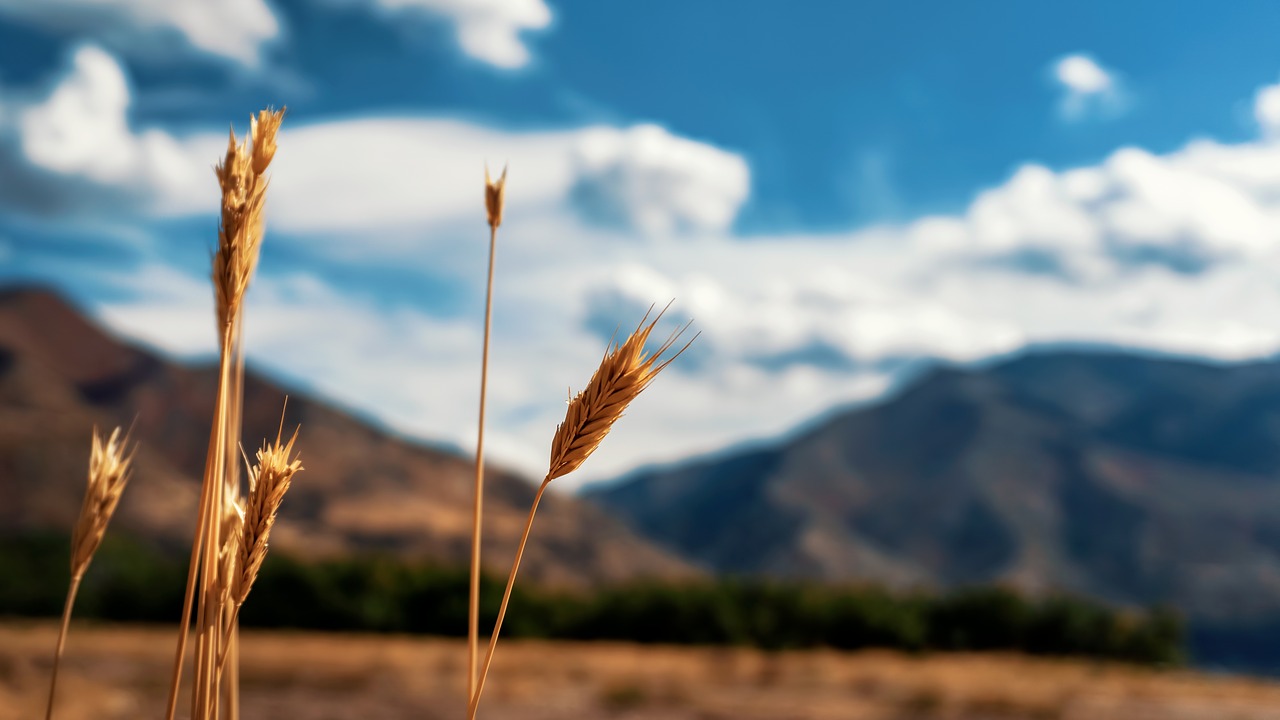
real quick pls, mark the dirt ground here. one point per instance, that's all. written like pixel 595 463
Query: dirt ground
pixel 114 672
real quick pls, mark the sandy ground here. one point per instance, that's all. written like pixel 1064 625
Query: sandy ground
pixel 122 672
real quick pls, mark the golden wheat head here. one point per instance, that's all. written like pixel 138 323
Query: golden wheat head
pixel 269 480
pixel 494 196
pixel 624 372
pixel 108 475
pixel 242 179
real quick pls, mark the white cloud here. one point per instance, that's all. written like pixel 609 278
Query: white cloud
pixel 1266 108
pixel 81 129
pixel 427 171
pixel 489 31
pixel 393 176
pixel 233 29
pixel 649 179
pixel 1175 252
pixel 792 326
pixel 1088 87
pixel 1081 74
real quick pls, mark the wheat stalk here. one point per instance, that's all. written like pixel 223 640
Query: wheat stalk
pixel 624 372
pixel 108 476
pixel 243 183
pixel 233 513
pixel 494 193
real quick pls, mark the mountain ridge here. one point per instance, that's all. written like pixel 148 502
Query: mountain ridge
pixel 1131 478
pixel 365 488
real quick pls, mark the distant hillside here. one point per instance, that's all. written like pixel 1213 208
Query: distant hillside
pixel 363 489
pixel 1126 478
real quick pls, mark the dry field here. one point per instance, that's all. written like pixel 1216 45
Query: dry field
pixel 121 672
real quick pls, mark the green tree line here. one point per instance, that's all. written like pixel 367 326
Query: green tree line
pixel 134 582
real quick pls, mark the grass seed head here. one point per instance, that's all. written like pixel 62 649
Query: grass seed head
pixel 624 372
pixel 494 195
pixel 269 480
pixel 243 182
pixel 264 128
pixel 108 475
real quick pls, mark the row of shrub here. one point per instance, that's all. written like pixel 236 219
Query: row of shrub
pixel 130 581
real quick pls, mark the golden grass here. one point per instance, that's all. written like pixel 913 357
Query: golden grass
pixel 231 535
pixel 624 372
pixel 216 557
pixel 494 193
pixel 268 482
pixel 108 476
pixel 313 676
pixel 242 179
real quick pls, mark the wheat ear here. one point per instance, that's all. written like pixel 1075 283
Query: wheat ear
pixel 243 183
pixel 624 372
pixel 494 193
pixel 269 480
pixel 108 476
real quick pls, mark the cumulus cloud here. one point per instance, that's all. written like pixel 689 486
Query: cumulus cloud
pixel 410 173
pixel 236 30
pixel 1089 89
pixel 80 129
pixel 791 325
pixel 638 177
pixel 366 175
pixel 1174 252
pixel 487 30
pixel 1266 109
pixel 1203 204
pixel 651 180
pixel 239 31
pixel 73 148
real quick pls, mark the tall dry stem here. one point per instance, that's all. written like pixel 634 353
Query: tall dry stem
pixel 624 372
pixel 108 476
pixel 493 201
pixel 243 183
pixel 233 513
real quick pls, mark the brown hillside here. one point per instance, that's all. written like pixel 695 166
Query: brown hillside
pixel 1131 479
pixel 363 488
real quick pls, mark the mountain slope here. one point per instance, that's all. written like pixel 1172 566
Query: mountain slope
pixel 363 488
pixel 1127 478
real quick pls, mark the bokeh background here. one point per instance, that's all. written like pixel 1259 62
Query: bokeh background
pixel 988 299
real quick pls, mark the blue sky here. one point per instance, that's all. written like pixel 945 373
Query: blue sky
pixel 833 191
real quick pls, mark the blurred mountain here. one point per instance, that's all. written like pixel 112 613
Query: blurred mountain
pixel 363 488
pixel 1131 479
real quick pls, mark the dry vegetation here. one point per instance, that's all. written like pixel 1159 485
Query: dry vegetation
pixel 624 372
pixel 108 476
pixel 231 534
pixel 117 673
